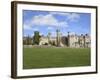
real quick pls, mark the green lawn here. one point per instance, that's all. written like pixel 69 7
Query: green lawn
pixel 55 57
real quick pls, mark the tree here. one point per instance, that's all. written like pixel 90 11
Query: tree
pixel 28 40
pixel 36 37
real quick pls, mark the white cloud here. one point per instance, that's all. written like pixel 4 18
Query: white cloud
pixel 60 13
pixel 35 29
pixel 48 20
pixel 44 20
pixel 73 17
pixel 49 28
pixel 51 21
pixel 63 24
pixel 70 16
pixel 27 27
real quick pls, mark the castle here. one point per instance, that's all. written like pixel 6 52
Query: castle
pixel 70 40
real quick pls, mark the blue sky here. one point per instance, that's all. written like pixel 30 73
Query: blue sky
pixel 49 21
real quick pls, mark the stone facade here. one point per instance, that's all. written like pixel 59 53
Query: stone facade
pixel 71 40
pixel 79 41
pixel 44 41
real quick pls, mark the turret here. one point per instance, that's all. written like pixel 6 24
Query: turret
pixel 58 37
pixel 68 39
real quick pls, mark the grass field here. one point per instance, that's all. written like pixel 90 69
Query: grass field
pixel 55 57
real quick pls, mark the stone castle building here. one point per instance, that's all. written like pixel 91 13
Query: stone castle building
pixel 70 40
pixel 79 40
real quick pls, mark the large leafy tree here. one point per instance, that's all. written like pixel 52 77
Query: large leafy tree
pixel 36 37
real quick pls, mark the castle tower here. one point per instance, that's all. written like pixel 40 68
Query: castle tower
pixel 87 40
pixel 49 34
pixel 68 40
pixel 58 37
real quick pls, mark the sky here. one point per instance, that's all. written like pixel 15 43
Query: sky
pixel 50 21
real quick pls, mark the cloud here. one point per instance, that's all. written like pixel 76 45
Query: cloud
pixel 63 24
pixel 60 13
pixel 27 27
pixel 44 20
pixel 35 29
pixel 48 20
pixel 49 28
pixel 73 17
